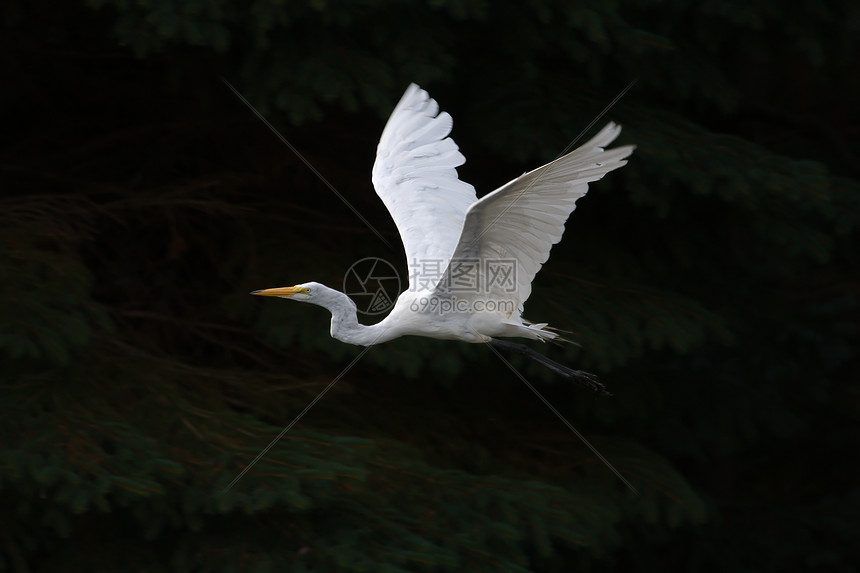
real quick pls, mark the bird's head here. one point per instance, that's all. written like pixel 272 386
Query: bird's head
pixel 314 293
pixel 303 292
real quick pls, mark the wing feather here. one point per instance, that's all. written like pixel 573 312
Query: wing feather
pixel 524 218
pixel 415 175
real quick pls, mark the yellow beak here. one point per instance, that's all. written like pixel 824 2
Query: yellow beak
pixel 279 291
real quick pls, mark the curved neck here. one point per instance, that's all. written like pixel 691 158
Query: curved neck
pixel 346 328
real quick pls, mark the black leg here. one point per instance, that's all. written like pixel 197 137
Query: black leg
pixel 590 381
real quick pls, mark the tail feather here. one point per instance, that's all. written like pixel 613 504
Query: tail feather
pixel 545 333
pixel 551 333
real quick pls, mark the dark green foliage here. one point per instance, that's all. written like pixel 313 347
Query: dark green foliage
pixel 712 284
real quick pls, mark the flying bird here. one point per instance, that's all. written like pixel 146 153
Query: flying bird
pixel 473 259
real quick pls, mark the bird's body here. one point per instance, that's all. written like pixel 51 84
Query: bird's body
pixel 475 259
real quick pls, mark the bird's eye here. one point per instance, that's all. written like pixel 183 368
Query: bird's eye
pixel 306 291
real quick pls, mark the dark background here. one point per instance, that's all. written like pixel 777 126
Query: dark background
pixel 712 283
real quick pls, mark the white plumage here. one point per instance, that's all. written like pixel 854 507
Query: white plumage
pixel 415 175
pixel 443 225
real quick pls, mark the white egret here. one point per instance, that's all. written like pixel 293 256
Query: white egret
pixel 474 260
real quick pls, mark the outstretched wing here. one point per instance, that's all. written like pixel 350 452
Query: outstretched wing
pixel 415 176
pixel 508 234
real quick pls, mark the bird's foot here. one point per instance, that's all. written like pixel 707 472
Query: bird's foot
pixel 586 379
pixel 581 377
